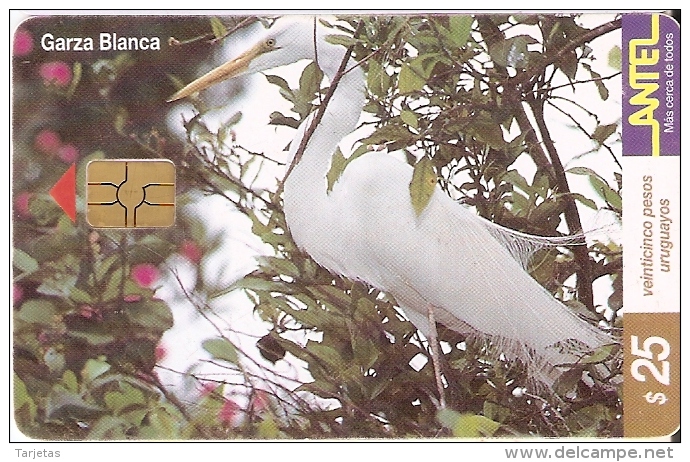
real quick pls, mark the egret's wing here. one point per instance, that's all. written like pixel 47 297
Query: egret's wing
pixel 450 258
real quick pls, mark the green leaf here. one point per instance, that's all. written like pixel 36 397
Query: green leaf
pixel 327 354
pixel 76 78
pixel 568 65
pixel 276 118
pixel 234 119
pixel 460 29
pixel 602 132
pixel 162 425
pixel 108 428
pixel 24 262
pixel 600 186
pixel 268 428
pixel 219 29
pixel 614 57
pixel 587 202
pixel 101 267
pixel 423 65
pixel 38 311
pixel 279 265
pixel 94 368
pixel 603 91
pixel 365 352
pixel 69 380
pixel 112 288
pixel 279 81
pixel 93 338
pixel 255 284
pixel 513 177
pixel 135 416
pixel 338 164
pixel 319 387
pixel 487 131
pixel 423 184
pixel 409 81
pixel 448 417
pixel 409 118
pixel 582 171
pixel 467 425
pixel 22 397
pixel 515 147
pixel 496 412
pixel 330 294
pixel 221 348
pixel 338 39
pixel 311 317
pixel 375 78
pixel 548 209
pixel 114 401
pixel 152 314
pixel 387 133
pixel 79 296
pixel 310 81
pixel 599 356
pixel 127 396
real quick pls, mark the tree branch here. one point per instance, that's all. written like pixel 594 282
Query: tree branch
pixel 567 48
pixel 582 129
pixel 575 82
pixel 572 215
pixel 172 41
pixel 551 163
pixel 492 34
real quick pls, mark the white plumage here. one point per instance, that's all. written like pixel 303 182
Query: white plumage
pixel 366 229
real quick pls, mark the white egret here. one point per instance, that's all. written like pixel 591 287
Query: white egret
pixel 446 263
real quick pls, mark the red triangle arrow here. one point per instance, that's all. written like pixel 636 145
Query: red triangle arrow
pixel 65 191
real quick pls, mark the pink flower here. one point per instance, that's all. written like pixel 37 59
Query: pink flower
pixel 88 312
pixel 145 274
pixel 207 388
pixel 68 153
pixel 21 204
pixel 56 72
pixel 261 401
pixel 23 43
pixel 229 412
pixel 132 298
pixel 160 352
pixel 17 294
pixel 191 251
pixel 47 142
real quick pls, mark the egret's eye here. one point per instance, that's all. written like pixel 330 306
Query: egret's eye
pixel 271 43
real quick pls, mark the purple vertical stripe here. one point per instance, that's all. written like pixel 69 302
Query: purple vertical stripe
pixel 651 85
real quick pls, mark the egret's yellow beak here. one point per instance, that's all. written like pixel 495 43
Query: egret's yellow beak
pixel 225 71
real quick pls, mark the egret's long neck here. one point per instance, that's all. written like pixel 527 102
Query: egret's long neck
pixel 308 179
pixel 308 210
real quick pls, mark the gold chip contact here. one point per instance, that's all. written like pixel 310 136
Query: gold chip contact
pixel 130 193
